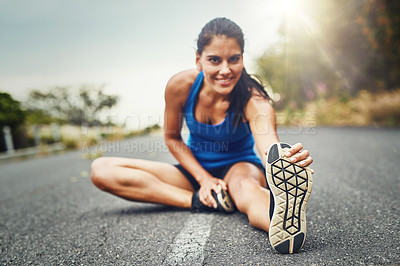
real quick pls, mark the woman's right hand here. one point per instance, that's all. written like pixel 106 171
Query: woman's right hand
pixel 207 185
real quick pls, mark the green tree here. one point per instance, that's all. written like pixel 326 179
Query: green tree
pixel 380 24
pixel 11 113
pixel 334 47
pixel 82 106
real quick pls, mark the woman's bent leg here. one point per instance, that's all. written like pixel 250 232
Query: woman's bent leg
pixel 246 184
pixel 141 180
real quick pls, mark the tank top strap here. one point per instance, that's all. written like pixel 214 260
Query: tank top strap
pixel 191 99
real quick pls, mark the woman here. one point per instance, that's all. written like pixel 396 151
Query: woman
pixel 226 111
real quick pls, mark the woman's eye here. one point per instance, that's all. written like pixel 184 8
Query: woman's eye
pixel 234 59
pixel 214 60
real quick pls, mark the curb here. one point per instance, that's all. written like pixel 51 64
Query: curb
pixel 31 151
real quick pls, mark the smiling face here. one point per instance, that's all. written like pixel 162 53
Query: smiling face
pixel 222 64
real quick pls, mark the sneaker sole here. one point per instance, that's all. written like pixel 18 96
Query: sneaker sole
pixel 224 201
pixel 291 187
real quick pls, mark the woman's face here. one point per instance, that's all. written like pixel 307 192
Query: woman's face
pixel 222 64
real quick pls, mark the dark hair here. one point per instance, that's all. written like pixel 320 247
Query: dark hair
pixel 243 90
pixel 219 27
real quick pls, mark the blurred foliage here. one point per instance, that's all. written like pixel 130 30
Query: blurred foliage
pixel 36 116
pixel 380 24
pixel 76 107
pixel 145 131
pixel 11 113
pixel 334 49
pixel 367 108
pixel 94 138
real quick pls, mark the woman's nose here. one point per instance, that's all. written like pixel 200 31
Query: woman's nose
pixel 224 69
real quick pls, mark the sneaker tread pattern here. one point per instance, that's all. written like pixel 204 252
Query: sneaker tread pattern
pixel 291 185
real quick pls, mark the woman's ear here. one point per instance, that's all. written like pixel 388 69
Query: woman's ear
pixel 198 61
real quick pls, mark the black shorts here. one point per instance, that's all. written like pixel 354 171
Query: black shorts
pixel 217 172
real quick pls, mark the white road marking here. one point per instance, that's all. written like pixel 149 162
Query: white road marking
pixel 188 246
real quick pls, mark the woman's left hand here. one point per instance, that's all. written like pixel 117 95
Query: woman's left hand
pixel 297 155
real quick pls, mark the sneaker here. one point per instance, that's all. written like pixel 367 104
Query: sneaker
pixel 224 203
pixel 290 186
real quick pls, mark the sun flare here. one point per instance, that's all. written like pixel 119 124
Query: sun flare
pixel 290 7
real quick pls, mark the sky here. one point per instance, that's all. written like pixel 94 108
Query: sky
pixel 133 47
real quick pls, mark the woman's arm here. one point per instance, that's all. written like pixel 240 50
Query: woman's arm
pixel 261 117
pixel 176 93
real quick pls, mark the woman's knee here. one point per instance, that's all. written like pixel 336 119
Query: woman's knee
pixel 240 189
pixel 241 183
pixel 99 170
pixel 109 173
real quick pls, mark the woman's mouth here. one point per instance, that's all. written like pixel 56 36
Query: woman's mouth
pixel 225 81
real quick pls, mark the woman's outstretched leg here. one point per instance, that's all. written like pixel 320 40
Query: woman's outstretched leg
pixel 246 184
pixel 142 180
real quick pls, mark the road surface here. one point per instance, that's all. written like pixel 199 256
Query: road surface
pixel 50 213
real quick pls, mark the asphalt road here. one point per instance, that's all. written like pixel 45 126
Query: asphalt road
pixel 50 213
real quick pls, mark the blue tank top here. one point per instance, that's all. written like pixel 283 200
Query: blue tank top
pixel 217 145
